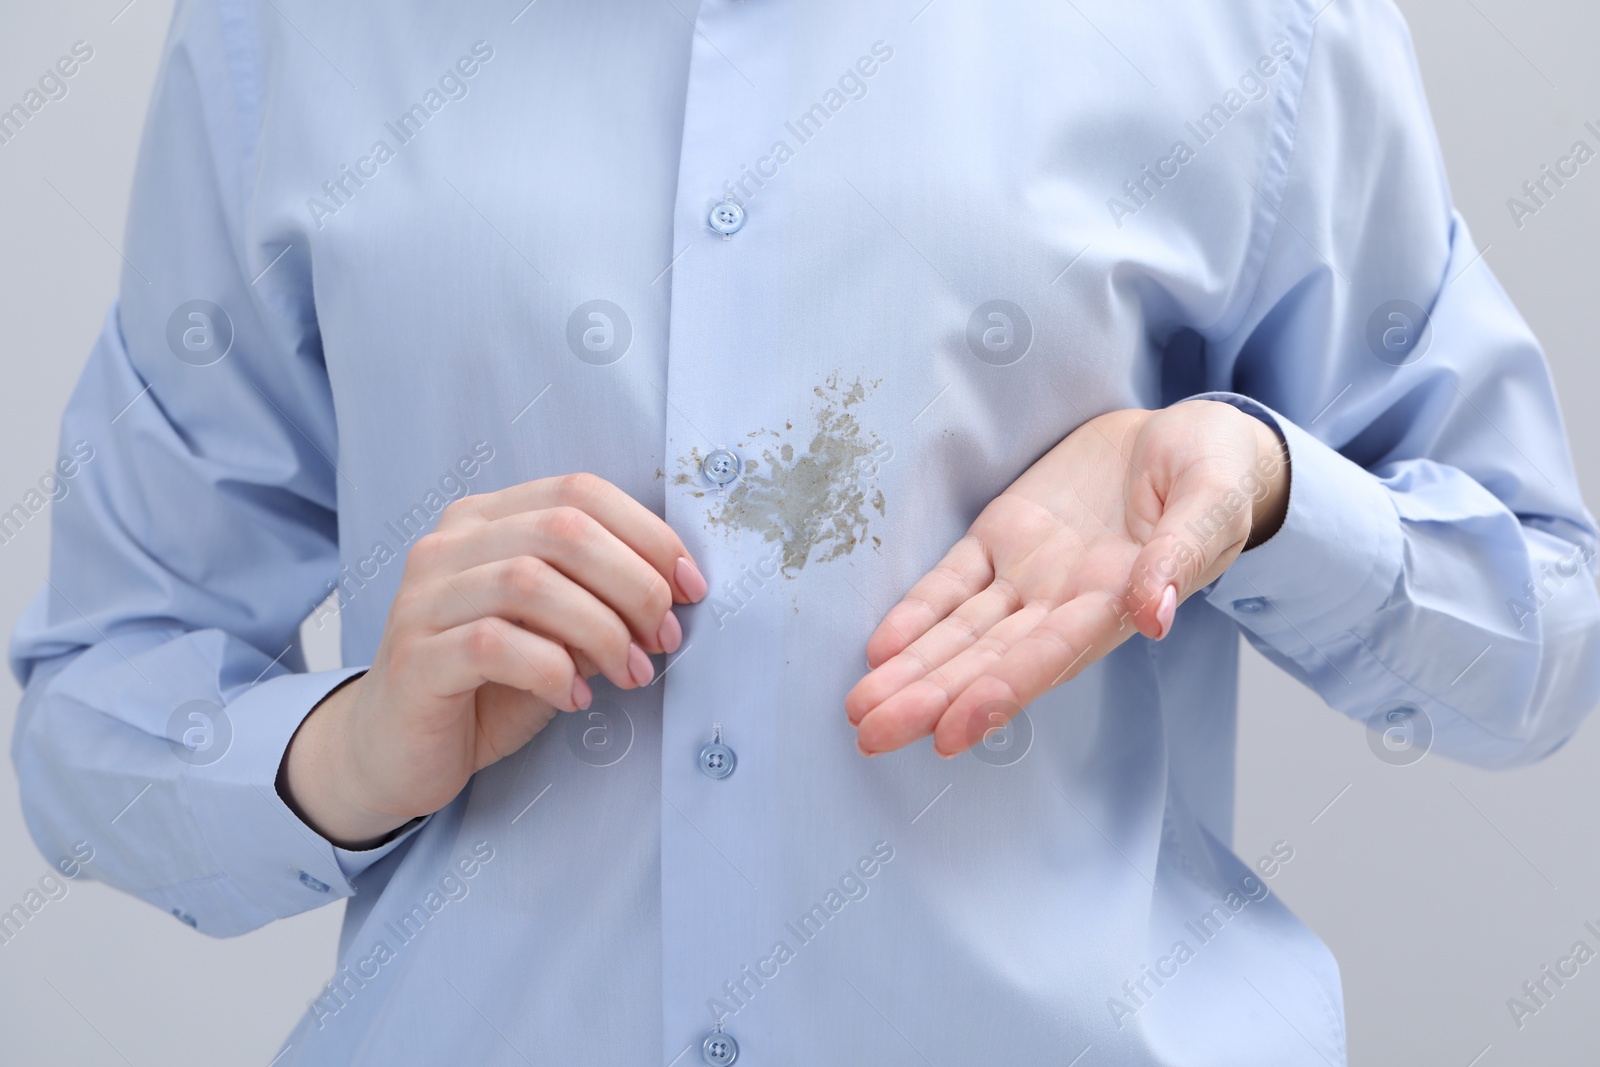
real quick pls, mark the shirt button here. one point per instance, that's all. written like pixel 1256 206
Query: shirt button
pixel 719 1049
pixel 727 218
pixel 313 883
pixel 720 467
pixel 716 761
pixel 1250 605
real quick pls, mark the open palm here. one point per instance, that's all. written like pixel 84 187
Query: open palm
pixel 1099 539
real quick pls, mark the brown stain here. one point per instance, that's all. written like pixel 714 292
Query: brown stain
pixel 813 503
pixel 691 463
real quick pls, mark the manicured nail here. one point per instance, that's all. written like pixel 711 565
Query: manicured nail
pixel 639 668
pixel 582 695
pixel 690 580
pixel 671 634
pixel 1166 609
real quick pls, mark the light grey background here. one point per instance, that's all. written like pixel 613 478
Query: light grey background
pixel 1440 888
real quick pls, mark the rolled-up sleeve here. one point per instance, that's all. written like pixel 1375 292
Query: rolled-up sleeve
pixel 1436 553
pixel 160 663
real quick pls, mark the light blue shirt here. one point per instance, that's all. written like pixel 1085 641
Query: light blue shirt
pixel 384 255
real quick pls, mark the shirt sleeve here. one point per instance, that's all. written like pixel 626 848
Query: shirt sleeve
pixel 160 662
pixel 1436 556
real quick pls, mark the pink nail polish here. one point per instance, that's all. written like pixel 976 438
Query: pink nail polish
pixel 582 695
pixel 671 633
pixel 689 578
pixel 639 668
pixel 1166 609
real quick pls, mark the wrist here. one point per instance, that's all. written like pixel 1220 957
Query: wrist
pixel 317 780
pixel 1270 503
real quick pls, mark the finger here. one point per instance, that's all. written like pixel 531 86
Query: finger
pixel 1055 651
pixel 964 571
pixel 948 638
pixel 586 666
pixel 1201 531
pixel 535 595
pixel 628 521
pixel 507 719
pixel 487 649
pixel 913 712
pixel 580 547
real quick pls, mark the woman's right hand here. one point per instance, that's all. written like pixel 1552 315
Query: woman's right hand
pixel 503 611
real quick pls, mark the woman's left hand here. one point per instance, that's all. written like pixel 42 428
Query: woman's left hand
pixel 1104 536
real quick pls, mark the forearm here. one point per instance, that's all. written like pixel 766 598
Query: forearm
pixel 178 811
pixel 1272 504
pixel 1420 589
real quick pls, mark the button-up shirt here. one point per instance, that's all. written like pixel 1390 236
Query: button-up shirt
pixel 815 282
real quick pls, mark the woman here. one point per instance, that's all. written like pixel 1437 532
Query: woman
pixel 670 401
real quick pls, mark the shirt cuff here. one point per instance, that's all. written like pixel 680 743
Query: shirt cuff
pixel 272 865
pixel 353 862
pixel 1333 562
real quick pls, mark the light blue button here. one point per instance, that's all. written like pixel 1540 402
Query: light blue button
pixel 727 218
pixel 719 1049
pixel 314 883
pixel 720 467
pixel 716 761
pixel 1250 605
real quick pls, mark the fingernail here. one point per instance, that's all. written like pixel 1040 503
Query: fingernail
pixel 582 695
pixel 1166 609
pixel 639 668
pixel 943 755
pixel 689 578
pixel 863 751
pixel 671 633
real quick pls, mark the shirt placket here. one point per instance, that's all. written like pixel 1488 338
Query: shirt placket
pixel 717 745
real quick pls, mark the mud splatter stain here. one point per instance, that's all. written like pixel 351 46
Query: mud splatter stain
pixel 814 504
